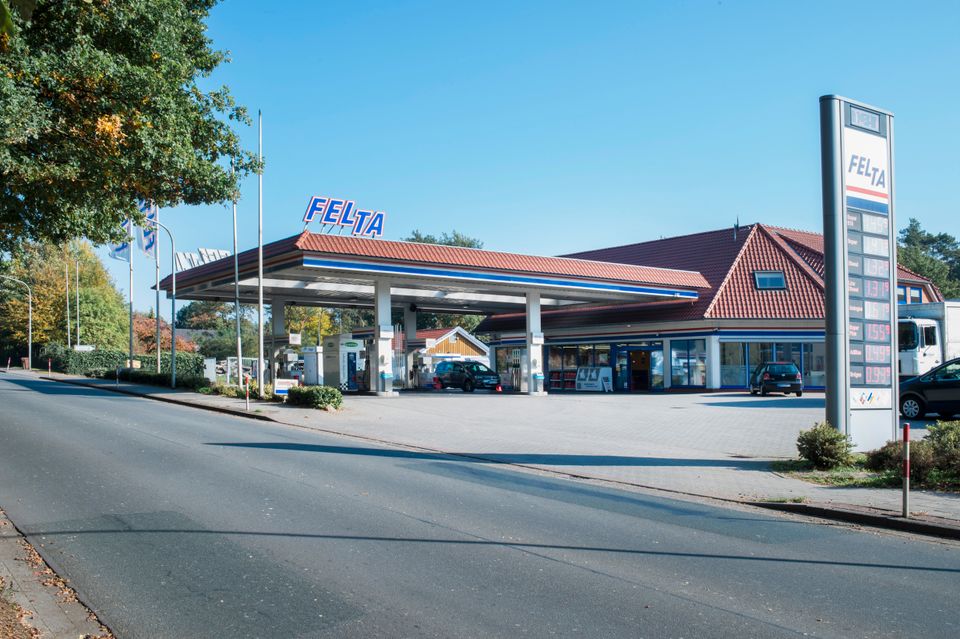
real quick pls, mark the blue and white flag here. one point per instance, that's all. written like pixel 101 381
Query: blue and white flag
pixel 122 251
pixel 147 237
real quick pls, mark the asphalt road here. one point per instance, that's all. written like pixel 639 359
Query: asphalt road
pixel 173 522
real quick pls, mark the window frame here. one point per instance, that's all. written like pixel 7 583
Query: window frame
pixel 757 275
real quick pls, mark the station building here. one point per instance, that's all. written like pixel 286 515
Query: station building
pixel 765 302
pixel 698 311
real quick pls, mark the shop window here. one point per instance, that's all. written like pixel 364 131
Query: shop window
pixel 815 365
pixel 602 354
pixel 770 280
pixel 916 295
pixel 688 362
pixel 901 295
pixel 733 364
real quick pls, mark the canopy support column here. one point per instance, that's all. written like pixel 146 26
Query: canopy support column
pixel 278 336
pixel 409 335
pixel 534 346
pixel 381 362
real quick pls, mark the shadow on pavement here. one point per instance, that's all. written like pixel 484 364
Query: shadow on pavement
pixel 546 459
pixel 484 542
pixel 53 388
pixel 771 402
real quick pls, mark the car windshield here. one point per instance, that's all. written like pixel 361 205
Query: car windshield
pixel 475 367
pixel 782 369
pixel 907 336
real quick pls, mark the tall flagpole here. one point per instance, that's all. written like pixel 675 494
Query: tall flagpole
pixel 130 259
pixel 236 294
pixel 260 379
pixel 66 280
pixel 156 254
pixel 77 291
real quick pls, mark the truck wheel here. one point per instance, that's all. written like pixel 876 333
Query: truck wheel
pixel 912 407
pixel 799 393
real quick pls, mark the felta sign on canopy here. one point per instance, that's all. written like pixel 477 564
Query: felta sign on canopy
pixel 341 213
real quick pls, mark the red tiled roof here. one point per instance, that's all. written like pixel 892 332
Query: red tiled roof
pixel 711 253
pixel 739 297
pixel 728 263
pixel 435 254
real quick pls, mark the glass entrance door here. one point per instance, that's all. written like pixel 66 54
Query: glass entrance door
pixel 639 370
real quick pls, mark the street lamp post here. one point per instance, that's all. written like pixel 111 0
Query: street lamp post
pixel 173 304
pixel 29 318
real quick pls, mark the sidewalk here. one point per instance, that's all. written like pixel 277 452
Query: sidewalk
pixel 713 445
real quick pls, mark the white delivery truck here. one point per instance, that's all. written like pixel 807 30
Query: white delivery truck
pixel 928 335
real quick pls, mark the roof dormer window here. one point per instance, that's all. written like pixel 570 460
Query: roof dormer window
pixel 770 280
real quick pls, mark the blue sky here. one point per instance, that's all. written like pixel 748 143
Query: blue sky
pixel 551 127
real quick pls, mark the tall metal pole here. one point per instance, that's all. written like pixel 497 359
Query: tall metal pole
pixel 173 304
pixel 29 318
pixel 260 379
pixel 77 291
pixel 156 255
pixel 236 295
pixel 130 258
pixel 66 279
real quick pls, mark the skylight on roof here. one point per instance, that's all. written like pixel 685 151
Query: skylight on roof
pixel 770 280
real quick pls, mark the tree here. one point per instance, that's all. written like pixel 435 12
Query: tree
pixel 145 336
pixel 934 256
pixel 446 320
pixel 456 238
pixel 101 106
pixel 308 321
pixel 103 314
pixel 207 315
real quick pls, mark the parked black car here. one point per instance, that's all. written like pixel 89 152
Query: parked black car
pixel 776 377
pixel 937 391
pixel 466 375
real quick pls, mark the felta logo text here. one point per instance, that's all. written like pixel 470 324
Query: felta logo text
pixel 344 213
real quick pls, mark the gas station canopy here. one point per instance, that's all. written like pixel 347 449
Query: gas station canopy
pixel 314 269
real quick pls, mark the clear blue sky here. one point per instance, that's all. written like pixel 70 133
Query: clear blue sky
pixel 551 127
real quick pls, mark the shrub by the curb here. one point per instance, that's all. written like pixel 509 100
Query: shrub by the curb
pixel 825 447
pixel 889 458
pixel 944 437
pixel 315 396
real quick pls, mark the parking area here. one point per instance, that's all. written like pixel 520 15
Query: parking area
pixel 665 425
pixel 669 425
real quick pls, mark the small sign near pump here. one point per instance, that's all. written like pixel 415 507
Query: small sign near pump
pixel 294 339
pixel 334 212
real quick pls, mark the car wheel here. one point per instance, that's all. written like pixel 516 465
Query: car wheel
pixel 468 386
pixel 799 393
pixel 912 407
pixel 763 391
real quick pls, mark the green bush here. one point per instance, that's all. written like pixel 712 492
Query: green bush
pixel 944 437
pixel 189 364
pixel 825 447
pixel 85 363
pixel 140 376
pixel 889 458
pixel 315 396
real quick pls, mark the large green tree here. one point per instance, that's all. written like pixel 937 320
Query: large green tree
pixel 446 320
pixel 936 256
pixel 101 105
pixel 103 312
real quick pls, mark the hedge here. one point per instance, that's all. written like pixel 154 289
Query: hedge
pixel 315 396
pixel 140 376
pixel 190 364
pixel 80 362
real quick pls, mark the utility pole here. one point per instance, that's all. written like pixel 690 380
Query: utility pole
pixel 260 379
pixel 77 290
pixel 66 280
pixel 236 295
